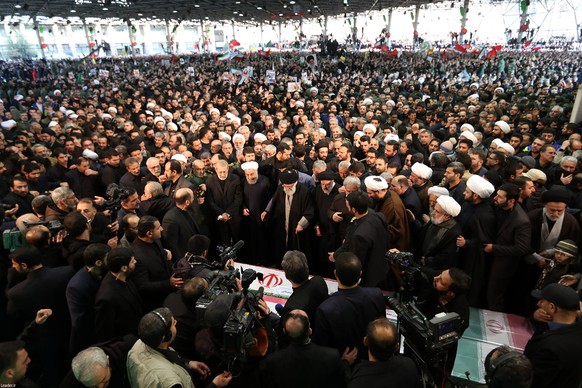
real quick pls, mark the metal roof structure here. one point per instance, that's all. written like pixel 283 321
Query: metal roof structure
pixel 213 10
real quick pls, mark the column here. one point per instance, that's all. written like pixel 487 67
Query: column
pixel 131 38
pixel 325 26
pixel 415 24
pixel 389 27
pixel 464 11
pixel 522 21
pixel 40 41
pixel 233 34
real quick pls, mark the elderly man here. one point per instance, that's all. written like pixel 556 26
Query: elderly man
pixel 290 213
pixel 477 221
pixel 420 175
pixel 224 198
pixel 555 349
pixel 255 191
pixel 389 203
pixel 549 225
pixel 437 247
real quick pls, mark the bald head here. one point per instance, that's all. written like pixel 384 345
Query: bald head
pixel 296 327
pixel 183 196
pixel 381 339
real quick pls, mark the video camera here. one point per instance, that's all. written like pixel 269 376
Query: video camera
pixel 53 226
pixel 220 282
pixel 410 271
pixel 427 341
pixel 238 329
pixel 113 197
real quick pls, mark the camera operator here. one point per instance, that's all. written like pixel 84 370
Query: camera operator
pixel 102 229
pixel 152 362
pixel 182 303
pixel 196 262
pixel 259 340
pixel 40 236
pixel 446 294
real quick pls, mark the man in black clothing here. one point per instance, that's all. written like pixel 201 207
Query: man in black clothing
pixel 19 195
pixel 307 293
pixel 555 349
pixel 303 363
pixel 118 306
pixel 153 269
pixel 179 225
pixel 385 364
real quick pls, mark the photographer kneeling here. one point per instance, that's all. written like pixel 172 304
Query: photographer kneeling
pixel 446 294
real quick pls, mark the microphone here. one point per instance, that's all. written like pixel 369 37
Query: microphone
pixel 279 309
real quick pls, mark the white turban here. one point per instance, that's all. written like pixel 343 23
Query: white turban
pixel 224 136
pixel 470 136
pixel 371 126
pixel 480 186
pixel 368 101
pixel 360 133
pixel 390 102
pixel 179 158
pixel 238 136
pixel 468 126
pixel 299 104
pixel 504 126
pixel 106 116
pixel 375 183
pixel 260 136
pixel 421 170
pixel 173 126
pixel 157 119
pixel 151 106
pixel 249 166
pixel 391 136
pixel 497 142
pixel 8 124
pixel 90 154
pixel 214 110
pixel 437 191
pixel 507 147
pixel 474 96
pixel 449 205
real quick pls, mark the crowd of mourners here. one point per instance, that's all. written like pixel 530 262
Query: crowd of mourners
pixel 115 173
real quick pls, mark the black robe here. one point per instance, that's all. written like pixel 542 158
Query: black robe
pixel 301 206
pixel 255 199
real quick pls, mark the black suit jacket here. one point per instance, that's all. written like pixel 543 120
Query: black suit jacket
pixel 400 371
pixel 303 366
pixel 179 226
pixel 118 308
pixel 555 356
pixel 43 288
pixel 342 319
pixel 152 272
pixel 81 292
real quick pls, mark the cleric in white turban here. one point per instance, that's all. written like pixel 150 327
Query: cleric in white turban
pixel 421 170
pixel 249 166
pixel 480 186
pixel 437 191
pixel 375 183
pixel 449 205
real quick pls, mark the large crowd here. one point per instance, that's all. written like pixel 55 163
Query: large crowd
pixel 115 171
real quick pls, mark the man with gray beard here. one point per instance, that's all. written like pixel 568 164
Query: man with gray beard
pixel 549 225
pixel 438 247
pixel 255 200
